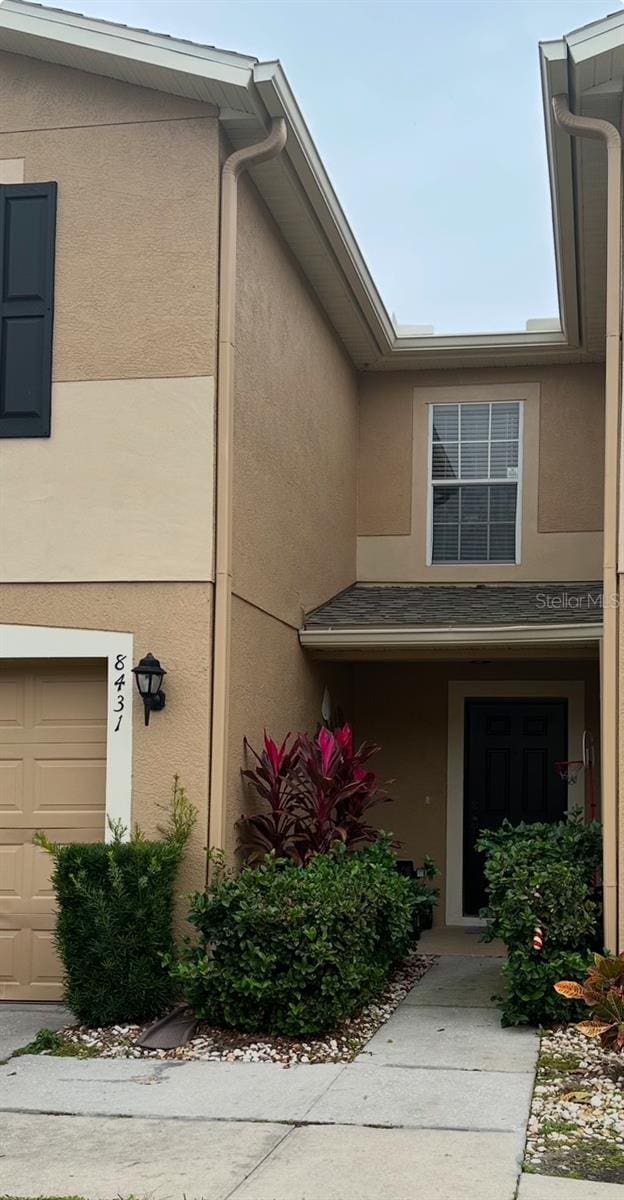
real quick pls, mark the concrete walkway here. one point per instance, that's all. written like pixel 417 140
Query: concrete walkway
pixel 436 1106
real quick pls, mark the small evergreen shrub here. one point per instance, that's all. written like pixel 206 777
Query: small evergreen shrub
pixel 294 950
pixel 115 919
pixel 542 876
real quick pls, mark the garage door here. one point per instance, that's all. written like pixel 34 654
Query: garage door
pixel 52 777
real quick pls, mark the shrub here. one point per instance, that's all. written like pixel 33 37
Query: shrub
pixel 294 950
pixel 317 791
pixel 603 992
pixel 425 896
pixel 541 876
pixel 115 914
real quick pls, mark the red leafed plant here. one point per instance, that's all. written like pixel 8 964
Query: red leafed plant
pixel 318 791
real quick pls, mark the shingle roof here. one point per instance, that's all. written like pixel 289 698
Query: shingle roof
pixel 463 605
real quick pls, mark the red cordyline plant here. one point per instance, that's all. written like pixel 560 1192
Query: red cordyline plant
pixel 318 792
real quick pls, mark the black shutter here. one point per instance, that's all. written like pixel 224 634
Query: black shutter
pixel 27 235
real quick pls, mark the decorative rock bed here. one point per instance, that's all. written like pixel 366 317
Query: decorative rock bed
pixel 227 1045
pixel 576 1127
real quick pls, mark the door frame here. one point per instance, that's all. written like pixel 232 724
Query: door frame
pixel 459 691
pixel 41 641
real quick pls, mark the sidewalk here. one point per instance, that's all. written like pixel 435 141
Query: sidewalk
pixel 436 1105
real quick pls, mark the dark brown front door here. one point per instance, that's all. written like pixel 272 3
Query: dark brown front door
pixel 511 747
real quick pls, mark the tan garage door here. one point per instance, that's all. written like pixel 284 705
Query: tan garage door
pixel 52 777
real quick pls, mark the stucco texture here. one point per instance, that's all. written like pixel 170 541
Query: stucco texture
pixel 108 496
pixel 274 687
pixel 174 622
pixel 295 431
pixel 295 447
pixel 562 473
pixel 404 707
pixel 137 219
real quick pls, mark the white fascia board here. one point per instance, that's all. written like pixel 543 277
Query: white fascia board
pixel 601 37
pixel 517 635
pixel 554 74
pixel 104 37
pixel 279 101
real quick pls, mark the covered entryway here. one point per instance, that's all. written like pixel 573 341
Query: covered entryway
pixel 474 693
pixel 53 732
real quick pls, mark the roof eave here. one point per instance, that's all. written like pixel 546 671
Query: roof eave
pixel 257 91
pixel 406 637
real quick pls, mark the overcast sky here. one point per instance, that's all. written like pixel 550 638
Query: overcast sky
pixel 428 117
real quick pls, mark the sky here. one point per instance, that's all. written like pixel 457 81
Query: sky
pixel 428 117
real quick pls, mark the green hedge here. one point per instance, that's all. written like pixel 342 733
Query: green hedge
pixel 115 920
pixel 294 950
pixel 542 875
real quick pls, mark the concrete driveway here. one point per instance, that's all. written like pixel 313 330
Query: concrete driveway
pixel 20 1023
pixel 436 1106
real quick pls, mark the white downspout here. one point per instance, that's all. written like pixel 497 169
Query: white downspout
pixel 609 667
pixel 232 168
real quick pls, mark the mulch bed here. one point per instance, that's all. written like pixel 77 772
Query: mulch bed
pixel 576 1127
pixel 227 1045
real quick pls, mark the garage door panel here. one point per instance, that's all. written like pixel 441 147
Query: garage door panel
pixel 11 786
pixel 9 953
pixel 74 702
pixel 12 702
pixel 11 871
pixel 52 778
pixel 66 788
pixel 43 966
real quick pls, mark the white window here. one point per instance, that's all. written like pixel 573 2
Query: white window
pixel 474 480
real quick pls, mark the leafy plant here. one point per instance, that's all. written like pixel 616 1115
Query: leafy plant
pixel 318 792
pixel 425 896
pixel 115 915
pixel 603 992
pixel 294 950
pixel 542 877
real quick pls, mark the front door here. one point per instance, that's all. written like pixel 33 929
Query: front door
pixel 511 747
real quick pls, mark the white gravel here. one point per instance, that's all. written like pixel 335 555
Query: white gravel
pixel 227 1045
pixel 578 1100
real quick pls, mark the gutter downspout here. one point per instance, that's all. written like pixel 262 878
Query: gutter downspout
pixel 232 168
pixel 594 128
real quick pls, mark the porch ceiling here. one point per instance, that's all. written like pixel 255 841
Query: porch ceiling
pixel 526 619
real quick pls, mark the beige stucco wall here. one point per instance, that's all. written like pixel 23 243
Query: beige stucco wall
pixel 274 687
pixel 173 621
pixel 562 471
pixel 131 454
pixel 122 490
pixel 295 442
pixel 108 524
pixel 404 708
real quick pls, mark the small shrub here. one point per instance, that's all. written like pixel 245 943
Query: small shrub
pixel 318 792
pixel 530 998
pixel 541 876
pixel 425 896
pixel 603 992
pixel 294 950
pixel 115 914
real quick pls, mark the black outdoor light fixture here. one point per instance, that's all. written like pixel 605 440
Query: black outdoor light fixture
pixel 149 675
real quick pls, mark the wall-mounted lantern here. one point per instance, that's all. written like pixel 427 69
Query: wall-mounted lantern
pixel 149 675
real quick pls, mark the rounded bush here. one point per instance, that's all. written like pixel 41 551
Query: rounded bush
pixel 294 950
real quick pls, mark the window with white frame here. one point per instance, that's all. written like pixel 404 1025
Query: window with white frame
pixel 474 473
